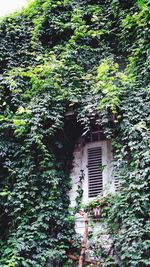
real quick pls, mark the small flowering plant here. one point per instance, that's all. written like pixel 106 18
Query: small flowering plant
pixel 99 207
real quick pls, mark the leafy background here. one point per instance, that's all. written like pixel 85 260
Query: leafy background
pixel 93 57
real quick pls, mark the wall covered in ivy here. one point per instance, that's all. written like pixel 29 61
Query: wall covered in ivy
pixel 92 57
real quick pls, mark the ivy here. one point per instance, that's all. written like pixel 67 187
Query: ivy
pixel 91 57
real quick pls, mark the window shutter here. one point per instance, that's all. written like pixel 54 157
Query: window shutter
pixel 117 184
pixel 95 179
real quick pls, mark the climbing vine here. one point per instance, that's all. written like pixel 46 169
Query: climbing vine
pixel 91 57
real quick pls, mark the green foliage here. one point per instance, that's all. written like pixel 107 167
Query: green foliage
pixel 93 57
pixel 110 85
pixel 103 203
pixel 79 192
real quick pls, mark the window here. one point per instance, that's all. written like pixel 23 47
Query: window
pixel 96 164
pixel 94 159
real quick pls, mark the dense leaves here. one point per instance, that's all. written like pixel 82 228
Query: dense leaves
pixel 91 57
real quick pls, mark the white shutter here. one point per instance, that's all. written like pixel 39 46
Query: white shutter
pixel 95 179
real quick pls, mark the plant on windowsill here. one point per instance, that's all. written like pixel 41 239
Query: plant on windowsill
pixel 99 207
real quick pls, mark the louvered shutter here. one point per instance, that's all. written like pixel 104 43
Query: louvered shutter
pixel 95 179
pixel 117 184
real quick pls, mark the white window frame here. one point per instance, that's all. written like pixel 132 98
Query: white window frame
pixel 108 181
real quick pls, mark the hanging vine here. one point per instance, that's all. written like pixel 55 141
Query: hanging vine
pixel 91 56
